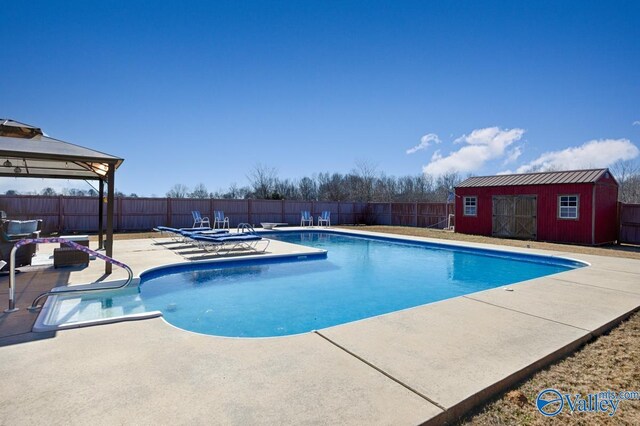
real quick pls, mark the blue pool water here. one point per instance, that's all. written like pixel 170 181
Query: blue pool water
pixel 359 278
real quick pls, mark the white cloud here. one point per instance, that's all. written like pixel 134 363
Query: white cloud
pixel 636 123
pixel 595 153
pixel 513 155
pixel 482 145
pixel 425 141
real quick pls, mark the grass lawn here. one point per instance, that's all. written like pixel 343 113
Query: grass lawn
pixel 609 362
pixel 613 250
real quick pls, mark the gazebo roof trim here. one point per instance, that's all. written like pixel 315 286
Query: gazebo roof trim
pixel 20 151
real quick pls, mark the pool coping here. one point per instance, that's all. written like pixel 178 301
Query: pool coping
pixel 304 253
pixel 464 405
pixel 41 326
pixel 430 364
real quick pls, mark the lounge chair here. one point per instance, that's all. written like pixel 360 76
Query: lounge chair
pixel 199 221
pixel 205 231
pixel 306 218
pixel 220 219
pixel 171 230
pixel 178 234
pixel 228 242
pixel 325 218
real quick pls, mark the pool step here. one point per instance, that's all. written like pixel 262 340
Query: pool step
pixel 76 308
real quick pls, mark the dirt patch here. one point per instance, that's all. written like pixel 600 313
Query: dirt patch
pixel 628 251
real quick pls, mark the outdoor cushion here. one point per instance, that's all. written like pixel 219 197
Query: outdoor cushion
pixel 22 226
pixel 223 239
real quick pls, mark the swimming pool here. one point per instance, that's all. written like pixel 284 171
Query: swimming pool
pixel 358 278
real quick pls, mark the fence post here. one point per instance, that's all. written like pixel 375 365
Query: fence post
pixel 60 216
pixel 169 211
pixel 353 213
pixel 118 226
pixel 416 214
pixel 249 210
pixel 282 219
pixel 618 221
pixel 338 214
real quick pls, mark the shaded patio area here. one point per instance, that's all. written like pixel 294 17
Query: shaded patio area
pixel 27 152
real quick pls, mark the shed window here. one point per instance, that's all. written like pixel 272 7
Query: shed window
pixel 568 206
pixel 470 206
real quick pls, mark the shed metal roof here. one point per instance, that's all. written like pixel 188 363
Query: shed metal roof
pixel 544 178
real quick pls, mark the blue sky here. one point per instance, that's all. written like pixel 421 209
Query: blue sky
pixel 201 91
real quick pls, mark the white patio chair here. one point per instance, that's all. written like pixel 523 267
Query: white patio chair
pixel 325 218
pixel 199 221
pixel 306 218
pixel 220 219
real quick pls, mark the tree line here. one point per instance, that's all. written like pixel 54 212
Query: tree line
pixel 366 183
pixel 363 183
pixel 71 192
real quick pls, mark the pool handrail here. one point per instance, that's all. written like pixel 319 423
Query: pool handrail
pixel 34 304
pixel 245 228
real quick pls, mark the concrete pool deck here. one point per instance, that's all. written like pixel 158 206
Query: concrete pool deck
pixel 425 364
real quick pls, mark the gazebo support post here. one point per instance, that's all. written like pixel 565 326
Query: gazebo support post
pixel 100 215
pixel 111 176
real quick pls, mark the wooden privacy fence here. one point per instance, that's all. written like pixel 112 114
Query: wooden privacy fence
pixel 630 223
pixel 80 214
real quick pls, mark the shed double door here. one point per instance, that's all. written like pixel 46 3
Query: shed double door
pixel 514 216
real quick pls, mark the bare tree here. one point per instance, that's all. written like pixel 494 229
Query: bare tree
pixel 365 175
pixel 200 191
pixel 627 173
pixel 263 180
pixel 385 189
pixel 444 184
pixel 284 190
pixel 332 187
pixel 233 193
pixel 308 189
pixel 178 191
pixel 48 191
pixel 74 192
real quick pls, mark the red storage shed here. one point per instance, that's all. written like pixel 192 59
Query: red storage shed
pixel 576 206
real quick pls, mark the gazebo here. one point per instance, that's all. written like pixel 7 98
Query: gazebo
pixel 25 151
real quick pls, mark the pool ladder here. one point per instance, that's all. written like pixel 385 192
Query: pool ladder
pixel 245 228
pixel 34 304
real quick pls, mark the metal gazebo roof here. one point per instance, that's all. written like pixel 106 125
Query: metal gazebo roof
pixel 25 151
